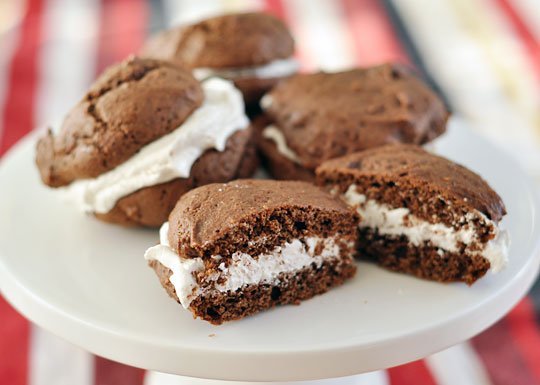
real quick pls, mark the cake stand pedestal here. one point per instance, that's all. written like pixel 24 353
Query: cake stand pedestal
pixel 371 378
pixel 87 282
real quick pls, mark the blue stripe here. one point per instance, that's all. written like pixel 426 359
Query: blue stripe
pixel 411 49
pixel 158 20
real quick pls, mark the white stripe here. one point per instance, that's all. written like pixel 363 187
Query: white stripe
pixel 67 65
pixel 379 377
pixel 55 361
pixel 458 365
pixel 188 11
pixel 11 14
pixel 529 11
pixel 465 74
pixel 68 58
pixel 230 6
pixel 323 33
pixel 9 40
pixel 503 47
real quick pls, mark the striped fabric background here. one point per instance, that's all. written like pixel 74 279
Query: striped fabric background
pixel 483 56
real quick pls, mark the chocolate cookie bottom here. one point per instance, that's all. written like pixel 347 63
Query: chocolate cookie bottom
pixel 151 206
pixel 423 261
pixel 253 89
pixel 279 166
pixel 218 307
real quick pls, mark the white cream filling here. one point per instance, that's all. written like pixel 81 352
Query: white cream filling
pixel 243 269
pixel 171 156
pixel 182 278
pixel 274 134
pixel 399 221
pixel 266 101
pixel 274 69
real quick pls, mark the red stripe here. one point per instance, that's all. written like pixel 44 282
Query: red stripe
pixel 122 30
pixel 108 372
pixel 276 8
pixel 531 44
pixel 525 332
pixel 414 373
pixel 375 40
pixel 500 356
pixel 279 9
pixel 18 119
pixel 14 346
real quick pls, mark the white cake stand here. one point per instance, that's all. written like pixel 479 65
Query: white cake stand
pixel 87 282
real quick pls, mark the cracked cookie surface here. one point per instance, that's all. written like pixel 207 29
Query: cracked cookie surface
pixel 322 116
pixel 130 105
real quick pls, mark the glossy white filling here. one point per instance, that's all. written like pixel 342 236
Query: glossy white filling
pixel 242 269
pixel 275 69
pixel 396 222
pixel 171 156
pixel 274 134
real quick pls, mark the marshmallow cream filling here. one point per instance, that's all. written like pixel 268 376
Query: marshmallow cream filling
pixel 220 115
pixel 274 69
pixel 395 222
pixel 275 135
pixel 243 269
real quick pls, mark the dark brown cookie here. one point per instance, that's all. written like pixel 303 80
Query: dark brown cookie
pixel 279 166
pixel 220 218
pixel 293 288
pixel 326 115
pixel 249 245
pixel 411 174
pixel 228 42
pixel 420 213
pixel 151 206
pixel 234 40
pixel 249 163
pixel 253 90
pixel 427 261
pixel 132 104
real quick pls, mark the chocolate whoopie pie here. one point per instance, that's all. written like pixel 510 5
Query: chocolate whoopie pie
pixel 144 134
pixel 255 50
pixel 309 119
pixel 420 213
pixel 231 250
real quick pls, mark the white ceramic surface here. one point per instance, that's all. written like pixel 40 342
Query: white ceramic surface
pixel 87 282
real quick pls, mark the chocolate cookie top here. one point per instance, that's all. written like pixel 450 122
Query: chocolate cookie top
pixel 234 40
pixel 130 105
pixel 210 219
pixel 412 170
pixel 326 115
